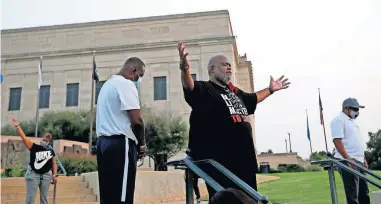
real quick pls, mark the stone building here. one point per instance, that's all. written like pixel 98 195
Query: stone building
pixel 67 60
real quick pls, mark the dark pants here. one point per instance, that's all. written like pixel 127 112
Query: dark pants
pixel 356 189
pixel 117 157
pixel 195 186
pixel 247 173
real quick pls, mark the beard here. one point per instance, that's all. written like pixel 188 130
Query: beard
pixel 224 79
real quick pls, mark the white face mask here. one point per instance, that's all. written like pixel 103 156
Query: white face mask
pixel 354 114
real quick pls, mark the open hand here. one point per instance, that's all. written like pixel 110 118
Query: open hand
pixel 184 62
pixel 279 83
pixel 15 122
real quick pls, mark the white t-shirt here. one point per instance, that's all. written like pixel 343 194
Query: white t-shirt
pixel 346 128
pixel 117 95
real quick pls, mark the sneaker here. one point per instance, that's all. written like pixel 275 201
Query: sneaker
pixel 198 200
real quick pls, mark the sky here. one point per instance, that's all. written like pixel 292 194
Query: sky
pixel 331 45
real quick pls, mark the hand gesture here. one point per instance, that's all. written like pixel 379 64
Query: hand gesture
pixel 15 122
pixel 278 84
pixel 184 62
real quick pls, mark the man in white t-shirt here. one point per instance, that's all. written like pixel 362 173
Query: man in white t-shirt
pixel 120 132
pixel 349 145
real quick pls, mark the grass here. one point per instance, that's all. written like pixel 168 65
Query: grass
pixel 302 188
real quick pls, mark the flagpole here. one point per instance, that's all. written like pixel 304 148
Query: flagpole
pixel 289 140
pixel 322 121
pixel 38 97
pixel 285 140
pixel 91 108
pixel 309 135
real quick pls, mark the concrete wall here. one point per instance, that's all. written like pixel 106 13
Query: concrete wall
pixel 279 158
pixel 153 186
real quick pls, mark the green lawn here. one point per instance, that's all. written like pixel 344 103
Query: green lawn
pixel 303 188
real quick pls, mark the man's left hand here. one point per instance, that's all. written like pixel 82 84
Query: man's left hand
pixel 142 151
pixel 279 83
pixel 365 164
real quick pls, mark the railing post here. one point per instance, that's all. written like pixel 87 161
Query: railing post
pixel 54 193
pixel 189 186
pixel 332 183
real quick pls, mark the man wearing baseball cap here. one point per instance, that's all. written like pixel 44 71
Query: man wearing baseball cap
pixel 347 139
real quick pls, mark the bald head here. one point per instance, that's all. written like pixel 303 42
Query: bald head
pixel 133 68
pixel 215 61
pixel 219 69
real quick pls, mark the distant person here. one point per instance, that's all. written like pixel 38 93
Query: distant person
pixel 349 145
pixel 231 196
pixel 42 168
pixel 120 131
pixel 219 124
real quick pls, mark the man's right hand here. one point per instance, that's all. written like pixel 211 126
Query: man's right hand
pixel 184 62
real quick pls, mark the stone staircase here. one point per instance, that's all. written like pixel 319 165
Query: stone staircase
pixel 70 190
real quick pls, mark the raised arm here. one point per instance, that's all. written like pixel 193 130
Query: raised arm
pixel 28 143
pixel 186 77
pixel 273 87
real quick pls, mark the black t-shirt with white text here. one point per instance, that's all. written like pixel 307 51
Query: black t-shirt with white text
pixel 219 124
pixel 41 159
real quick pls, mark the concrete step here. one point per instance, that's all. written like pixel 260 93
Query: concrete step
pixel 59 200
pixel 62 192
pixel 15 181
pixel 60 186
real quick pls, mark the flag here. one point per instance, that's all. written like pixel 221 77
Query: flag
pixel 39 75
pixel 321 110
pixel 308 129
pixel 95 73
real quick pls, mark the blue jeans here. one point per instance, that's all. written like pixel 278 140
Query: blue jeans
pixel 36 181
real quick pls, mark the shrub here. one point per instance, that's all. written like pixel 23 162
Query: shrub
pixel 290 168
pixel 78 163
pixel 15 171
pixel 313 168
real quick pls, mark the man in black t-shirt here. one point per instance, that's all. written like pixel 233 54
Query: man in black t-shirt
pixel 42 168
pixel 219 124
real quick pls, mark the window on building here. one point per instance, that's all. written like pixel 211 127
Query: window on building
pixel 72 91
pixel 194 77
pixel 44 96
pixel 98 87
pixel 160 88
pixel 14 99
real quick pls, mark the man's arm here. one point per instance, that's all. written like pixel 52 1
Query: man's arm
pixel 340 148
pixel 137 125
pixel 263 94
pixel 186 77
pixel 28 143
pixel 274 86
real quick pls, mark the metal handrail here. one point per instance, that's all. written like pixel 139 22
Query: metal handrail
pixel 191 167
pixel 331 163
pixel 62 169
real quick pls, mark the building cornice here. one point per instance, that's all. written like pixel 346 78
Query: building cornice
pixel 119 21
pixel 107 49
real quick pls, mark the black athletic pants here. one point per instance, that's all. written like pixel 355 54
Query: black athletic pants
pixel 117 157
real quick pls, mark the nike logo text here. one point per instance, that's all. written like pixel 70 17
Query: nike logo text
pixel 43 157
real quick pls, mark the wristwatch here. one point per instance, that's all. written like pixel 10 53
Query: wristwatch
pixel 271 91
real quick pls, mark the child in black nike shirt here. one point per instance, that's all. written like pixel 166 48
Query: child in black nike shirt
pixel 42 168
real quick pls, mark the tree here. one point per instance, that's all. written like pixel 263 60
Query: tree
pixel 166 135
pixel 316 156
pixel 270 151
pixel 373 153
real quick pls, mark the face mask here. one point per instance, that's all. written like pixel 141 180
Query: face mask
pixel 44 143
pixel 138 82
pixel 354 114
